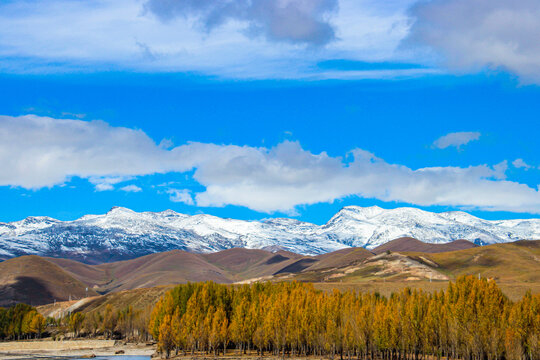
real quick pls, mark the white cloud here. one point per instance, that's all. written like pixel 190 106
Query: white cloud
pixel 104 187
pixel 456 139
pixel 521 164
pixel 131 188
pixel 471 35
pixel 106 183
pixel 271 38
pixel 180 196
pixel 38 152
pixel 119 34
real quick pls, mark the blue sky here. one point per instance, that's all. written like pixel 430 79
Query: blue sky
pixel 261 113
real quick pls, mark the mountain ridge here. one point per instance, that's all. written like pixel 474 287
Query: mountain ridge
pixel 122 234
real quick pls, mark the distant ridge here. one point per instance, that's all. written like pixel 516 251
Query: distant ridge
pixel 123 234
pixel 407 244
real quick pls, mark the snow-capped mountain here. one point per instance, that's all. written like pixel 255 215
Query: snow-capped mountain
pixel 122 233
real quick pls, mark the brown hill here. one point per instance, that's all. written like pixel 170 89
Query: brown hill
pixel 511 262
pixel 88 274
pixel 341 258
pixel 409 260
pixel 171 267
pixel 237 260
pixel 407 244
pixel 34 280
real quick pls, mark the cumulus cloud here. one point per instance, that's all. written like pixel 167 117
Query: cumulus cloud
pixel 521 164
pixel 38 152
pixel 456 139
pixel 471 35
pixel 296 21
pixel 131 188
pixel 180 196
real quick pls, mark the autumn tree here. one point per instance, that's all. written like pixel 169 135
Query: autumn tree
pixel 471 319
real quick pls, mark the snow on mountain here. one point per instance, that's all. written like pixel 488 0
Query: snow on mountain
pixel 122 233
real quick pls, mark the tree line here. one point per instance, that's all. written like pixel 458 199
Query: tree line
pixel 111 323
pixel 471 319
pixel 21 322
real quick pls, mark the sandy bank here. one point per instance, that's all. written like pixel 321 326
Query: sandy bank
pixel 77 348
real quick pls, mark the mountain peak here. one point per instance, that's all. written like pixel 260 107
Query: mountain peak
pixel 119 210
pixel 359 212
pixel 168 212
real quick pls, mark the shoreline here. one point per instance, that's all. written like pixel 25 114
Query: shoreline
pixel 48 349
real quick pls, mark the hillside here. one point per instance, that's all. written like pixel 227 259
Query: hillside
pixel 57 276
pixel 514 262
pixel 172 267
pixel 91 275
pixel 410 244
pixel 34 280
pixel 515 266
pixel 141 300
pixel 123 234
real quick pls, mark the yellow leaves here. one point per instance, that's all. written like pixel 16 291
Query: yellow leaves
pixel 19 321
pixel 472 317
pixel 166 336
pixel 38 323
pixel 75 322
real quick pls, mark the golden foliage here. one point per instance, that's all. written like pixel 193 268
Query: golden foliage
pixel 470 319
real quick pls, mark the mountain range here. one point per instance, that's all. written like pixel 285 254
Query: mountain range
pixel 122 234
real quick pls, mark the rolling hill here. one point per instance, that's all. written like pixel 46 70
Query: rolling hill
pixel 171 267
pixel 410 244
pixel 514 262
pixel 34 280
pixel 41 280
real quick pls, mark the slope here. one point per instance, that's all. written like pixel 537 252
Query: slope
pixel 34 280
pixel 237 260
pixel 513 262
pixel 171 267
pixel 340 258
pixel 90 275
pixel 410 244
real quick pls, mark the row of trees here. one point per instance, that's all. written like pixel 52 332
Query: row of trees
pixel 126 323
pixel 21 322
pixel 471 319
